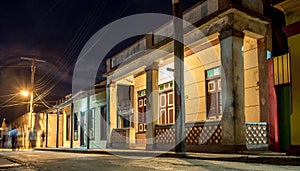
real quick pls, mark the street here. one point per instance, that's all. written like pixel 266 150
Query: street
pixel 38 160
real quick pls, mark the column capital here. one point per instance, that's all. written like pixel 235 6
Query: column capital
pixel 153 66
pixel 262 40
pixel 231 32
pixel 111 85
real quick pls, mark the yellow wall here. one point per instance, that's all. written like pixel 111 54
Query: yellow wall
pixel 113 107
pixel 39 120
pixel 65 112
pixel 195 66
pixel 194 83
pixel 52 123
pixel 194 76
pixel 295 63
pixel 251 78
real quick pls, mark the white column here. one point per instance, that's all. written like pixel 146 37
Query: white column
pixel 111 112
pixel 152 104
pixel 232 78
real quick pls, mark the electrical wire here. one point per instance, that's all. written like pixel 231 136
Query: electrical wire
pixel 70 48
pixel 11 105
pixel 44 102
pixel 14 94
pixel 8 100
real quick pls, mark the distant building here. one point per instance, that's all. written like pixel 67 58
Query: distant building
pixel 82 121
pixel 39 120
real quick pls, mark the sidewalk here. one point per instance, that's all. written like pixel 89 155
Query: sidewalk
pixel 248 157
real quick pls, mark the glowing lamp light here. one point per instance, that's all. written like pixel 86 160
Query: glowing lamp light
pixel 24 93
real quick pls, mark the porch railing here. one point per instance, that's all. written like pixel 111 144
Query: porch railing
pixel 200 133
pixel 257 133
pixel 210 133
pixel 123 138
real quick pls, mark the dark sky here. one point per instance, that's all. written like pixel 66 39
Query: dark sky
pixel 55 31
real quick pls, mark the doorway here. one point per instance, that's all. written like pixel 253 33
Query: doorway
pixel 103 123
pixel 82 129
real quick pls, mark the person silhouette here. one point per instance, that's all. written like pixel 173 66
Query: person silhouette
pixel 14 137
pixel 43 135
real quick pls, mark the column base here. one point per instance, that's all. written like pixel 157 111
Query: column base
pixel 234 149
pixel 293 150
pixel 150 147
pixel 240 148
pixel 274 147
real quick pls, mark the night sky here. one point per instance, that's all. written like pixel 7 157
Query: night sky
pixel 55 31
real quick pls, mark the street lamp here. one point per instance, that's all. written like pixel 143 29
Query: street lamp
pixel 24 93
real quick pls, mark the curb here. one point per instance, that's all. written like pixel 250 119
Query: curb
pixel 275 160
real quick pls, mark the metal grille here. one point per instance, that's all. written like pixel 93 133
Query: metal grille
pixel 208 134
pixel 119 135
pixel 165 134
pixel 256 133
pixel 201 133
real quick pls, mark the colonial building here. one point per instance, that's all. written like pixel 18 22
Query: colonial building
pixel 77 121
pixel 82 119
pixel 226 82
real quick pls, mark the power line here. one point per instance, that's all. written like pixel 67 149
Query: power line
pixel 77 38
pixel 14 94
pixel 11 105
pixel 14 66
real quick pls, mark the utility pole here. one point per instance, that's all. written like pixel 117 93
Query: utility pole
pixel 180 144
pixel 33 67
pixel 88 121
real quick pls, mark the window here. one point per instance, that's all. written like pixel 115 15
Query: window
pixel 282 69
pixel 213 94
pixel 75 127
pixel 68 127
pixel 92 124
pixel 103 124
pixel 211 86
pixel 166 104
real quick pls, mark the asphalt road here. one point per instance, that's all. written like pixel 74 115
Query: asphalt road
pixel 39 160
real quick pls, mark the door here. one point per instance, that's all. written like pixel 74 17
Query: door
pixel 214 99
pixel 141 134
pixel 103 124
pixel 213 93
pixel 166 107
pixel 284 110
pixel 142 114
pixel 82 128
